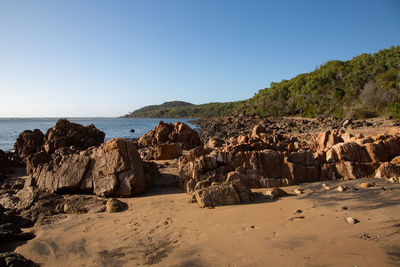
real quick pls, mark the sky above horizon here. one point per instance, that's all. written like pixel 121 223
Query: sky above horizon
pixel 107 58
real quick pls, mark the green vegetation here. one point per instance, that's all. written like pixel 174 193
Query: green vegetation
pixel 179 109
pixel 366 86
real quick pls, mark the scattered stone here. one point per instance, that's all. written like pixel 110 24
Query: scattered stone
pixel 115 205
pixel 365 185
pixel 365 236
pixel 325 187
pixel 298 191
pixel 394 179
pixel 341 188
pixel 274 193
pixel 296 217
pixel 351 220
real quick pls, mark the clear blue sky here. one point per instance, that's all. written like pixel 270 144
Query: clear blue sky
pixel 106 58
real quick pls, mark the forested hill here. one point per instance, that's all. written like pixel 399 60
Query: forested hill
pixel 366 86
pixel 179 109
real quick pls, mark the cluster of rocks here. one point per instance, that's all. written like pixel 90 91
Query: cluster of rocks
pixel 263 158
pixel 233 126
pixel 72 158
pixel 167 141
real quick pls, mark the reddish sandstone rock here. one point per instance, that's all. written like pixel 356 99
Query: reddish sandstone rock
pixel 171 133
pixel 167 151
pixel 351 151
pixel 217 195
pixel 299 173
pixel 257 132
pixel 377 151
pixel 388 170
pixel 328 139
pixel 356 170
pixel 267 163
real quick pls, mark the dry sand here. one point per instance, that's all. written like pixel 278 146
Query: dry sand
pixel 162 228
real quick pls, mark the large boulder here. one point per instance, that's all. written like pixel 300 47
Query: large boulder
pixel 217 195
pixel 66 134
pixel 113 169
pixel 166 133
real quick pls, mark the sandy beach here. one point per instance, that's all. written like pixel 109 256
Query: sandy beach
pixel 162 228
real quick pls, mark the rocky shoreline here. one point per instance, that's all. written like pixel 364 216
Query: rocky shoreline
pixel 233 126
pixel 71 170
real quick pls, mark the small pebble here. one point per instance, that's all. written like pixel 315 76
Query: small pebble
pixel 341 188
pixel 365 185
pixel 298 191
pixel 326 187
pixel 351 220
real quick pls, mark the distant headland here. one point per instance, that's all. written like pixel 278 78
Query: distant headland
pixel 366 86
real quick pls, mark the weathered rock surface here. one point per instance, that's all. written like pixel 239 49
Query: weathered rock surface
pixel 115 205
pixel 266 159
pixel 66 134
pixel 113 169
pixel 217 195
pixel 167 151
pixel 29 142
pixel 166 133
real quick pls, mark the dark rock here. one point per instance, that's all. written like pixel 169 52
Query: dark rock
pixel 29 142
pixel 12 259
pixel 66 134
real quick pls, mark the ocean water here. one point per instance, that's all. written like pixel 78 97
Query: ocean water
pixel 10 128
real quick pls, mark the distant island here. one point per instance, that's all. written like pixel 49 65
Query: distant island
pixel 366 86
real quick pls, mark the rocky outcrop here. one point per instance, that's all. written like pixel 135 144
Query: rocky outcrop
pixel 166 133
pixel 66 134
pixel 113 169
pixel 266 159
pixel 36 148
